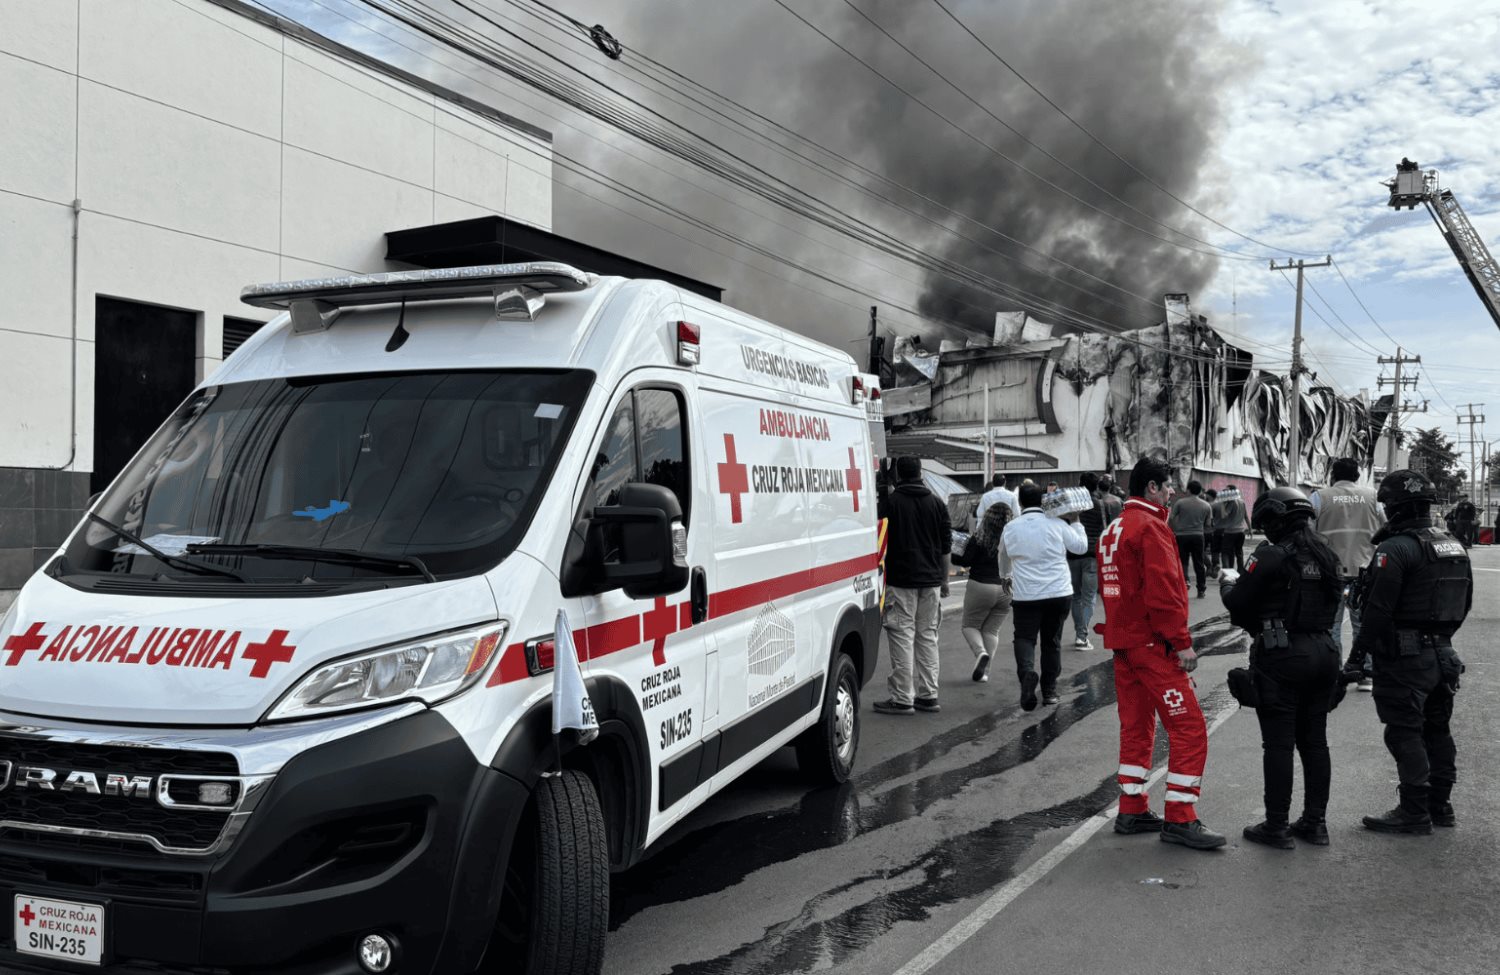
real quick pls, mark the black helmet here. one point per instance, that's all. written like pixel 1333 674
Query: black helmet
pixel 1399 487
pixel 1279 508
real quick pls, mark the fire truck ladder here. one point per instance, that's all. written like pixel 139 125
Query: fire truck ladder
pixel 1412 186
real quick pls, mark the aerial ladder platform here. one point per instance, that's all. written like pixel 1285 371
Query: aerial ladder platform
pixel 1411 186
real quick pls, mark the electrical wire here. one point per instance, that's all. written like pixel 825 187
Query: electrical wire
pixel 781 192
pixel 644 199
pixel 724 119
pixel 1362 304
pixel 902 249
pixel 580 30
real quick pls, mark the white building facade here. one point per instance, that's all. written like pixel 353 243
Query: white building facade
pixel 157 156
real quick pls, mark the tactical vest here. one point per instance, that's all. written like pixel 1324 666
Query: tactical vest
pixel 1311 602
pixel 1306 605
pixel 1433 595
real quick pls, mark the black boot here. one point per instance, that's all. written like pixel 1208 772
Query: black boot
pixel 1401 820
pixel 1273 833
pixel 1310 829
pixel 1131 823
pixel 1442 814
pixel 1193 835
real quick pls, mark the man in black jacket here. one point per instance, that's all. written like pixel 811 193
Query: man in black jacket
pixel 918 545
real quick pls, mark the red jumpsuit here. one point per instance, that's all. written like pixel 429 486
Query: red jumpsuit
pixel 1146 624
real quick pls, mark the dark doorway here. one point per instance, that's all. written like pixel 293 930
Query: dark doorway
pixel 143 368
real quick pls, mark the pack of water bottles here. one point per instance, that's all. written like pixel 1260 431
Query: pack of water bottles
pixel 1067 501
pixel 1230 493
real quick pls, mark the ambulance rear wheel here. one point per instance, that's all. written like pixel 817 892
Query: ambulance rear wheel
pixel 555 908
pixel 825 752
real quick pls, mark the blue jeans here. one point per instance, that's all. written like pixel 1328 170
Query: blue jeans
pixel 1338 624
pixel 1085 573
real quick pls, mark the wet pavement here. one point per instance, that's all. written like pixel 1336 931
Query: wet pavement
pixel 945 809
pixel 772 877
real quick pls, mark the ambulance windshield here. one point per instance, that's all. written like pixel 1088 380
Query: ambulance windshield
pixel 445 468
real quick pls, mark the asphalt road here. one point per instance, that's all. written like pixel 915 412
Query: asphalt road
pixel 982 805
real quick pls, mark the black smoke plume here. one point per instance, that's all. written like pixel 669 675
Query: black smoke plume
pixel 1137 75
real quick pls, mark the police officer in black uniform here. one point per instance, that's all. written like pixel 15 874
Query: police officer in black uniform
pixel 1286 599
pixel 1414 596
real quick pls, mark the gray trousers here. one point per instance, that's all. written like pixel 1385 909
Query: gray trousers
pixel 911 635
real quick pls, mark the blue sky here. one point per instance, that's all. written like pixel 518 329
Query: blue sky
pixel 1330 97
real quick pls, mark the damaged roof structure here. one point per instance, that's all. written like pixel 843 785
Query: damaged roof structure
pixel 1062 405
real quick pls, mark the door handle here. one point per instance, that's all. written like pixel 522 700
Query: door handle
pixel 699 595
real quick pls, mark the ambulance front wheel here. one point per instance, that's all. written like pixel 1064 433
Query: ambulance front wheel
pixel 825 752
pixel 555 909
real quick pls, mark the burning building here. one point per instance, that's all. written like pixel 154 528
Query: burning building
pixel 1052 407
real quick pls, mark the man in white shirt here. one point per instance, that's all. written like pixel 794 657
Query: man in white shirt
pixel 1042 590
pixel 997 492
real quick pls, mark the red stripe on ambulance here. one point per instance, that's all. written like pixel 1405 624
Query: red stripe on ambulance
pixel 603 639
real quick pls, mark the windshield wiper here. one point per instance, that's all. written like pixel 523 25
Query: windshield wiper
pixel 311 553
pixel 177 560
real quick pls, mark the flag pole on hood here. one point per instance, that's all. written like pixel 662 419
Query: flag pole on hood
pixel 571 706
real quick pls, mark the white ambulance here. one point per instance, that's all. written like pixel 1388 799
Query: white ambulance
pixel 282 702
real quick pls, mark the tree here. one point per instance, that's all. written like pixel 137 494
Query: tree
pixel 1434 455
pixel 1494 469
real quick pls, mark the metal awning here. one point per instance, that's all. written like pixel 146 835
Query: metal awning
pixel 963 455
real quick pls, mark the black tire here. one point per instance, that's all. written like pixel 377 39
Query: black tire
pixel 555 910
pixel 826 751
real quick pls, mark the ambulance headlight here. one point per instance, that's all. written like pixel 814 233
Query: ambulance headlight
pixel 430 670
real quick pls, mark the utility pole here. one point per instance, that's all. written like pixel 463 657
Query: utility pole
pixel 1469 418
pixel 1295 441
pixel 876 352
pixel 1398 407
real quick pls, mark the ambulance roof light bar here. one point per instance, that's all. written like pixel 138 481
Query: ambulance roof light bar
pixel 519 290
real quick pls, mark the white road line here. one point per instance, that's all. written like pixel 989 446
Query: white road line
pixel 1018 885
pixel 1480 568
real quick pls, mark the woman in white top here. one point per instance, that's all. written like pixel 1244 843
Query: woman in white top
pixel 1041 589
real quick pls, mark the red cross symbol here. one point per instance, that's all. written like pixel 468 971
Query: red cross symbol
pixel 18 643
pixel 656 626
pixel 734 479
pixel 854 480
pixel 273 650
pixel 1110 541
pixel 27 915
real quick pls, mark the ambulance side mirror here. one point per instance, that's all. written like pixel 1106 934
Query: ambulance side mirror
pixel 646 549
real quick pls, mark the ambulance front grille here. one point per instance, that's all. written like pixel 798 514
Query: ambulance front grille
pixel 115 816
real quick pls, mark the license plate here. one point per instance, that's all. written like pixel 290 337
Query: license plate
pixel 65 930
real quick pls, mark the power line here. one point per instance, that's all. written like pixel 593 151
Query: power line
pixel 580 32
pixel 1357 340
pixel 1101 143
pixel 781 192
pixel 722 118
pixel 645 200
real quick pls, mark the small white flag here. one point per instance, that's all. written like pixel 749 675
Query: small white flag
pixel 571 707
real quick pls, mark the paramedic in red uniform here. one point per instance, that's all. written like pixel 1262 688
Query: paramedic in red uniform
pixel 1146 625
